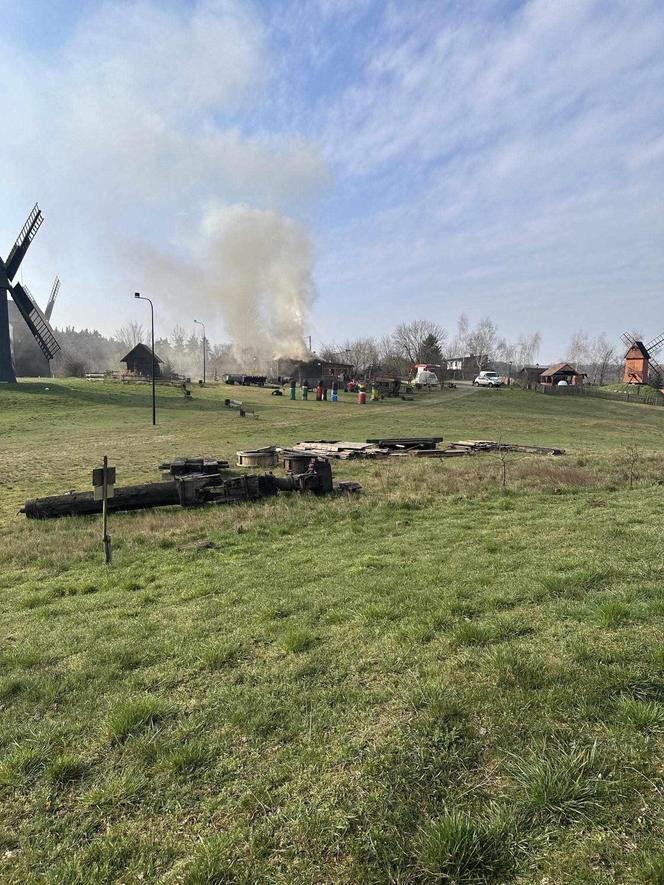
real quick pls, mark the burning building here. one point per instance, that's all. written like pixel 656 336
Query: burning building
pixel 313 369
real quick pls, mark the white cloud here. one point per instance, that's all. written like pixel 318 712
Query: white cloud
pixel 488 156
pixel 129 130
pixel 516 157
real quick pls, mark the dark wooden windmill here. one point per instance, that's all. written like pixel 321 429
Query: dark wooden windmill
pixel 640 367
pixel 28 308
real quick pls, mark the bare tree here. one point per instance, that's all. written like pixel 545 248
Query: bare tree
pixel 389 357
pixel 602 356
pixel 331 352
pixel 360 352
pixel 130 335
pixel 420 341
pixel 460 339
pixel 482 341
pixel 594 356
pixel 520 353
pixel 578 352
pixel 527 348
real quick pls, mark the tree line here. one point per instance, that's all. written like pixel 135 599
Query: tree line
pixel 418 341
pixel 425 341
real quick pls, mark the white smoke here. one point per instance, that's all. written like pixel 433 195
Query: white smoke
pixel 258 273
pixel 182 88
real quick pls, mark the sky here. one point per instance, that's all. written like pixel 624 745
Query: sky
pixel 491 157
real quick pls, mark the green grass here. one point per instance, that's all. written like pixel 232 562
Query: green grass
pixel 438 680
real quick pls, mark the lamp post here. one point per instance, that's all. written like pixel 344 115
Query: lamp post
pixel 154 396
pixel 199 323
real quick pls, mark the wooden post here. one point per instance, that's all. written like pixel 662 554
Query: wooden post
pixel 103 482
pixel 106 538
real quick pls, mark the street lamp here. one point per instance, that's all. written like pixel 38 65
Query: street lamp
pixel 154 396
pixel 198 322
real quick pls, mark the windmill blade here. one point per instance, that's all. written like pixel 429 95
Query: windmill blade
pixel 655 344
pixel 656 370
pixel 51 298
pixel 36 321
pixel 628 340
pixel 20 247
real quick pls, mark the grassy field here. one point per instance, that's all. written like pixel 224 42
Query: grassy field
pixel 439 680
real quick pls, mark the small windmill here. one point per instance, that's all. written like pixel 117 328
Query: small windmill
pixel 640 367
pixel 28 308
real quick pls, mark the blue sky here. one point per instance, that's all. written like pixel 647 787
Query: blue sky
pixel 502 158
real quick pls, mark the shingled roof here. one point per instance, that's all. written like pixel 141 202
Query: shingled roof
pixel 140 351
pixel 639 346
pixel 559 369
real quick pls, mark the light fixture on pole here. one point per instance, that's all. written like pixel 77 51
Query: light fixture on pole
pixel 154 396
pixel 198 322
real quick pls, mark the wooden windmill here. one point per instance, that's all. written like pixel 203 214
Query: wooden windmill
pixel 640 366
pixel 28 308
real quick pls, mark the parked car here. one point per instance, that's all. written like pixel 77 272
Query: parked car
pixel 488 379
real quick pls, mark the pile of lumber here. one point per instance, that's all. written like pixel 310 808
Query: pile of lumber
pixel 472 446
pixel 339 450
pixel 344 450
pixel 415 446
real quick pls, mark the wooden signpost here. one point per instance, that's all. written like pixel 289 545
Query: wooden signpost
pixel 103 484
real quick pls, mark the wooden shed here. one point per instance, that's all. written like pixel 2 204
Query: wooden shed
pixel 313 370
pixel 561 372
pixel 529 376
pixel 637 364
pixel 139 362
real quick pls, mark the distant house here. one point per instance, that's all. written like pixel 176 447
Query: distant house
pixel 530 376
pixel 139 362
pixel 561 372
pixel 637 364
pixel 465 368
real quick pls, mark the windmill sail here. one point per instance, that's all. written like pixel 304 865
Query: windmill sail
pixel 628 339
pixel 23 240
pixel 51 298
pixel 655 344
pixel 36 321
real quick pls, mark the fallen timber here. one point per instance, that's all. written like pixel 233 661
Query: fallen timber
pixel 191 490
pixel 147 494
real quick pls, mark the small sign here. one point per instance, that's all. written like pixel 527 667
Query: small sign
pixel 98 482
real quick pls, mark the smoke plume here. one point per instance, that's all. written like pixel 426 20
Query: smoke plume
pixel 258 274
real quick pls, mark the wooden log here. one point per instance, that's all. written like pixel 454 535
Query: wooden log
pixel 149 494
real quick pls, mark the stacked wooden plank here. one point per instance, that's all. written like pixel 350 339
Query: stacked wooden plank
pixel 340 450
